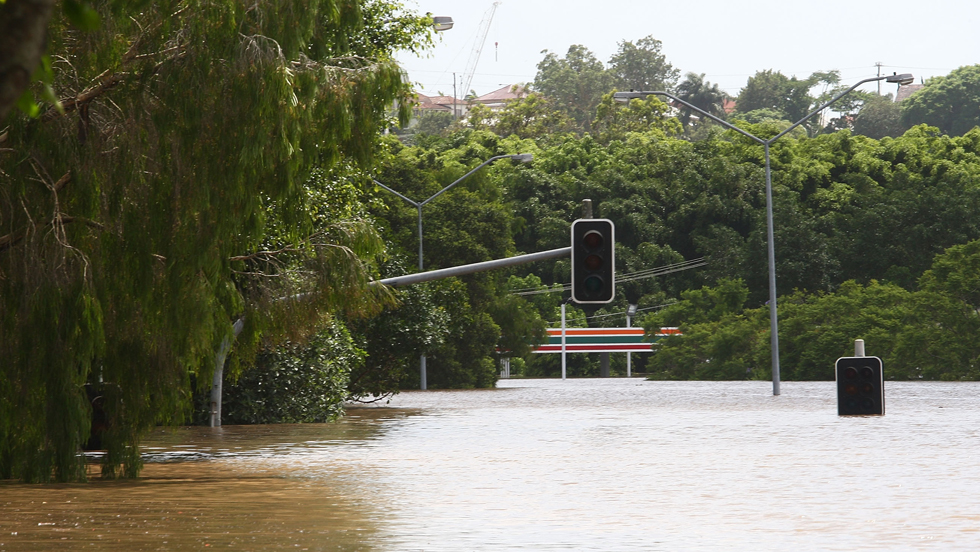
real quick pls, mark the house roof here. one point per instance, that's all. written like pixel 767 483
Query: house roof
pixel 441 103
pixel 905 91
pixel 509 92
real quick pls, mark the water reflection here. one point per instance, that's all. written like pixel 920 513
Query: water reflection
pixel 548 465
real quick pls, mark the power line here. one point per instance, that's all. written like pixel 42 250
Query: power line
pixel 631 277
pixel 577 319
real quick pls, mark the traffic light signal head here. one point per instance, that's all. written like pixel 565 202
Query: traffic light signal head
pixel 860 387
pixel 593 261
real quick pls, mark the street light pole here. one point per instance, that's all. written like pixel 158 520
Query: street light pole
pixel 770 245
pixel 522 157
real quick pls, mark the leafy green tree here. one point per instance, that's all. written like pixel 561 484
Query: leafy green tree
pixel 941 342
pixel 818 328
pixel 395 339
pixel 879 117
pixel 576 82
pixel 951 103
pixel 720 340
pixel 642 66
pixel 789 96
pixel 614 121
pixel 533 116
pixel 295 383
pixel 132 218
pixel 434 122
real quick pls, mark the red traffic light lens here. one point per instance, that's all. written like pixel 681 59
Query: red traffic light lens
pixel 850 373
pixel 592 240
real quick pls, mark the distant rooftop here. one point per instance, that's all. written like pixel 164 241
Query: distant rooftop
pixel 905 91
pixel 501 95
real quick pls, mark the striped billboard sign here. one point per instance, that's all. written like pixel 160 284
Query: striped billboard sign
pixel 602 340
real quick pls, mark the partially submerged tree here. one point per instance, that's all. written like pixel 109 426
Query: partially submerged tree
pixel 135 221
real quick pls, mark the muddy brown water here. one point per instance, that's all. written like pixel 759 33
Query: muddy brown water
pixel 611 464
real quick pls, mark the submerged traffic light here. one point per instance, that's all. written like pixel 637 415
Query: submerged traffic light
pixel 593 261
pixel 860 387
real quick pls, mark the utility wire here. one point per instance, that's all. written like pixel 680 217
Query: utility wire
pixel 631 277
pixel 578 319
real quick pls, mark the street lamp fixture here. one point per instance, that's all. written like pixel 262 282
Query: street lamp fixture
pixel 901 80
pixel 520 157
pixel 904 78
pixel 442 23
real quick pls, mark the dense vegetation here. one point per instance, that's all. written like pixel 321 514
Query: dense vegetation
pixel 180 185
pixel 212 162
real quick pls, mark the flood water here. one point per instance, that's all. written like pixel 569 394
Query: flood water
pixel 612 464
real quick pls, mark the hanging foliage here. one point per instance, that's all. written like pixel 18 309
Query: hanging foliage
pixel 130 218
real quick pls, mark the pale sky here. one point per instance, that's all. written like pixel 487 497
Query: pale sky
pixel 725 39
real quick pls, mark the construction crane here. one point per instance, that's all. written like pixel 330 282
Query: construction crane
pixel 481 38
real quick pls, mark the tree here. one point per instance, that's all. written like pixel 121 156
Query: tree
pixel 788 96
pixel 134 219
pixel 642 66
pixel 951 103
pixel 532 116
pixel 702 94
pixel 879 117
pixel 576 82
pixel 614 121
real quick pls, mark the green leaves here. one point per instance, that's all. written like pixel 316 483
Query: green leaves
pixel 951 103
pixel 44 75
pixel 81 15
pixel 175 192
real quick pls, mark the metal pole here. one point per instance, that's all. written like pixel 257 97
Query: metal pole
pixel 420 237
pixel 771 248
pixel 462 270
pixel 423 377
pixel 563 340
pixel 859 347
pixel 629 324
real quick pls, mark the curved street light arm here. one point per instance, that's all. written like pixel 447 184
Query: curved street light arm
pixel 460 179
pixel 415 203
pixel 636 95
pixel 824 106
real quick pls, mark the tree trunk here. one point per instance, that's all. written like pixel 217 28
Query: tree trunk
pixel 23 33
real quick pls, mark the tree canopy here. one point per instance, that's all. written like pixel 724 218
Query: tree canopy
pixel 136 222
pixel 642 66
pixel 951 103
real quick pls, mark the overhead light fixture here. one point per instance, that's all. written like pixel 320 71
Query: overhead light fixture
pixel 903 79
pixel 625 97
pixel 442 23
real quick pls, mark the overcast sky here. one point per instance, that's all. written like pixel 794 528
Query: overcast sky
pixel 726 40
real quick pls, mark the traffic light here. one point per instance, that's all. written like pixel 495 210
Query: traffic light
pixel 593 261
pixel 860 387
